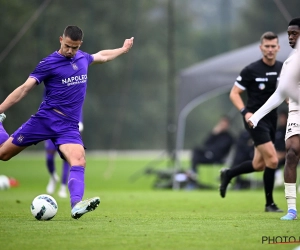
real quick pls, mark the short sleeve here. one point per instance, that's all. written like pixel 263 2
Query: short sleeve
pixel 244 79
pixel 89 57
pixel 41 71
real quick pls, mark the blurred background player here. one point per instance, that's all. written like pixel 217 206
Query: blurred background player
pixel 50 163
pixel 214 149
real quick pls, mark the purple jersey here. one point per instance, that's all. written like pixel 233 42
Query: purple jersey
pixel 65 82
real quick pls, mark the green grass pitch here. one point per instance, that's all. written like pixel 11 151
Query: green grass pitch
pixel 134 216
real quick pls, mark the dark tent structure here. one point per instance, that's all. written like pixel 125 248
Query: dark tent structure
pixel 212 78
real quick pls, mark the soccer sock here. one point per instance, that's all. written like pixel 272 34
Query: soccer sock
pixel 3 134
pixel 290 195
pixel 50 163
pixel 65 172
pixel 269 177
pixel 244 168
pixel 76 184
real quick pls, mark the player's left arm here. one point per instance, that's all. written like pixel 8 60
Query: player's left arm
pixel 104 56
pixel 273 102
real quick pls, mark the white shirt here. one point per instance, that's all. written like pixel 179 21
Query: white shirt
pixel 278 96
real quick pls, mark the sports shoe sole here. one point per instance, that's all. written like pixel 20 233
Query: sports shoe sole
pixel 89 208
pixel 288 218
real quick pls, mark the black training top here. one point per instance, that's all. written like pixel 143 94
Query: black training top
pixel 260 82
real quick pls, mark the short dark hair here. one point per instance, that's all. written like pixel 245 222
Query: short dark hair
pixel 295 21
pixel 269 35
pixel 73 32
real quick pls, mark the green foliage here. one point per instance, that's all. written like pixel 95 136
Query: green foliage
pixel 126 104
pixel 133 216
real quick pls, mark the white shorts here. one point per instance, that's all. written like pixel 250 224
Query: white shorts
pixel 293 125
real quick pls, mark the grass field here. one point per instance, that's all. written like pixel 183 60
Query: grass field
pixel 134 216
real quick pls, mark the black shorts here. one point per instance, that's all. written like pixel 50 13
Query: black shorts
pixel 263 132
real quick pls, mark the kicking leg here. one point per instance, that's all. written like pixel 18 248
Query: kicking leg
pixel 9 150
pixel 74 154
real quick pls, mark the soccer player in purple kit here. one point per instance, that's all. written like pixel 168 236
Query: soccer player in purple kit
pixel 64 73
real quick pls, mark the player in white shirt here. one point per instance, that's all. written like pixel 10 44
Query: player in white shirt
pixel 288 87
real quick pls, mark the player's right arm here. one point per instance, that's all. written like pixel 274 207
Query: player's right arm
pixel 236 99
pixel 18 94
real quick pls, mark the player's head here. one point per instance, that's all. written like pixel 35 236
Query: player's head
pixel 70 41
pixel 269 45
pixel 293 31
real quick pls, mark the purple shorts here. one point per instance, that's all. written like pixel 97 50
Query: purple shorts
pixel 49 145
pixel 47 124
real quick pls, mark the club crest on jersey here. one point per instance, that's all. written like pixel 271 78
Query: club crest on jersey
pixel 74 66
pixel 20 138
pixel 261 86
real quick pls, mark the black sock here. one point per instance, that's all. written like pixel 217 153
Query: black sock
pixel 269 177
pixel 244 168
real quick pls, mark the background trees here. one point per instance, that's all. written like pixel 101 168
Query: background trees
pixel 126 105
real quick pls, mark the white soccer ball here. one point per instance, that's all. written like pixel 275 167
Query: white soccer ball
pixel 44 207
pixel 4 182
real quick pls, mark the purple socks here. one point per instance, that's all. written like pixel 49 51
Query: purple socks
pixel 3 135
pixel 65 172
pixel 76 184
pixel 50 162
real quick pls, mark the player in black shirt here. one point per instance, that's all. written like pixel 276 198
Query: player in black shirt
pixel 259 79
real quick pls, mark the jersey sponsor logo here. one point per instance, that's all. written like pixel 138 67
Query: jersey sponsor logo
pixel 74 66
pixel 271 73
pixel 293 124
pixel 74 80
pixel 261 86
pixel 239 78
pixel 261 79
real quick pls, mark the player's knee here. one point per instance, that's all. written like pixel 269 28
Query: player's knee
pixel 82 162
pixel 4 156
pixel 259 166
pixel 292 156
pixel 78 161
pixel 273 163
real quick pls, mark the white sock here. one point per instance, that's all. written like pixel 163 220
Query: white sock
pixel 290 195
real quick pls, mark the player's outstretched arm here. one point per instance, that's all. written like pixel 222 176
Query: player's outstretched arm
pixel 17 94
pixel 273 102
pixel 110 54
